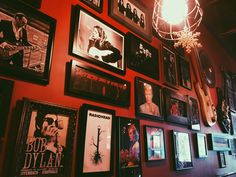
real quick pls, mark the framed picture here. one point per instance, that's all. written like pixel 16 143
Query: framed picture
pixel 128 147
pixel 201 145
pixel 132 14
pixel 155 143
pixel 95 41
pixel 45 140
pixel 219 142
pixel 182 149
pixel 233 122
pixel 95 4
pixel 232 142
pixel 169 67
pixel 221 158
pixel 184 73
pixel 148 99
pixel 87 82
pixel 176 108
pixel 142 57
pixel 6 88
pixel 28 55
pixel 95 145
pixel 194 114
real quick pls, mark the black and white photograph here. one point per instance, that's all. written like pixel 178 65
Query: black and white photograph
pixel 184 72
pixel 95 4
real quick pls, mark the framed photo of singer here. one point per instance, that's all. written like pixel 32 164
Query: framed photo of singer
pixel 96 41
pixel 25 54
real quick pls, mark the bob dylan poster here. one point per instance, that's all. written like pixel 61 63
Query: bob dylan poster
pixel 97 151
pixel 46 144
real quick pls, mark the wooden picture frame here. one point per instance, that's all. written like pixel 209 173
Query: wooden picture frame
pixel 120 13
pixel 88 82
pixel 184 72
pixel 219 142
pixel 194 114
pixel 30 60
pixel 96 135
pixel 202 151
pixel 154 143
pixel 128 155
pixel 45 140
pixel 176 108
pixel 182 150
pixel 221 159
pixel 142 57
pixel 86 31
pixel 148 99
pixel 96 5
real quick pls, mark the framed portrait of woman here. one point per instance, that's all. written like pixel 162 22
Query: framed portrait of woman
pixel 148 99
pixel 128 147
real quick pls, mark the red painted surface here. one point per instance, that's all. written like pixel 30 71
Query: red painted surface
pixel 54 92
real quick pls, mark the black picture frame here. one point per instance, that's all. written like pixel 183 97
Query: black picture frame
pixel 96 5
pixel 154 143
pixel 169 67
pixel 202 151
pixel 142 57
pixel 36 3
pixel 184 72
pixel 148 99
pixel 128 150
pixel 233 122
pixel 96 135
pixel 221 159
pixel 108 54
pixel 33 63
pixel 219 141
pixel 182 150
pixel 176 108
pixel 87 82
pixel 6 88
pixel 40 152
pixel 140 27
pixel 194 114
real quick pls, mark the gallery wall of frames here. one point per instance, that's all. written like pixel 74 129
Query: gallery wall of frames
pixel 87 88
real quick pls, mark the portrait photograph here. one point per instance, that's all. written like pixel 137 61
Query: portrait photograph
pixel 95 4
pixel 25 54
pixel 194 114
pixel 142 57
pixel 148 99
pixel 201 145
pixel 184 72
pixel 129 147
pixel 155 143
pixel 45 140
pixel 96 41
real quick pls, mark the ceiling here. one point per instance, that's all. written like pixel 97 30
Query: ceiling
pixel 219 16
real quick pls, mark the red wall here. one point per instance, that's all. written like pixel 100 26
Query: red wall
pixel 54 92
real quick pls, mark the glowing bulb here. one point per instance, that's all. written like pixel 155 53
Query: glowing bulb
pixel 174 11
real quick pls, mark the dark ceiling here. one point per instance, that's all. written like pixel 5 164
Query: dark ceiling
pixel 219 16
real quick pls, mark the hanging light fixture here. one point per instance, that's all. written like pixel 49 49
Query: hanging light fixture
pixel 178 20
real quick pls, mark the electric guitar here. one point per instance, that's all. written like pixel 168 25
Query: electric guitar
pixel 207 107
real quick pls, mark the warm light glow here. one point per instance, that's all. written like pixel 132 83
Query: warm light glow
pixel 174 11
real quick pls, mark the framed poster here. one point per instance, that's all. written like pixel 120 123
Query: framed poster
pixel 87 82
pixel 94 4
pixel 129 148
pixel 132 14
pixel 95 142
pixel 219 142
pixel 182 149
pixel 184 72
pixel 148 99
pixel 45 140
pixel 221 158
pixel 194 114
pixel 26 56
pixel 201 145
pixel 95 41
pixel 154 143
pixel 142 57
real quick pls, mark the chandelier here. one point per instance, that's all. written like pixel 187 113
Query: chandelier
pixel 178 20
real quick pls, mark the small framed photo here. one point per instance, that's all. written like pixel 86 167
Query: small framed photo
pixel 45 140
pixel 194 114
pixel 184 73
pixel 6 88
pixel 169 67
pixel 96 41
pixel 155 143
pixel 142 57
pixel 201 145
pixel 148 99
pixel 232 142
pixel 182 149
pixel 132 14
pixel 128 147
pixel 221 158
pixel 26 56
pixel 95 4
pixel 219 142
pixel 95 142
pixel 233 120
pixel 176 107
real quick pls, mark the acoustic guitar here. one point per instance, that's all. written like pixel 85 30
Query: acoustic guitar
pixel 207 107
pixel 98 54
